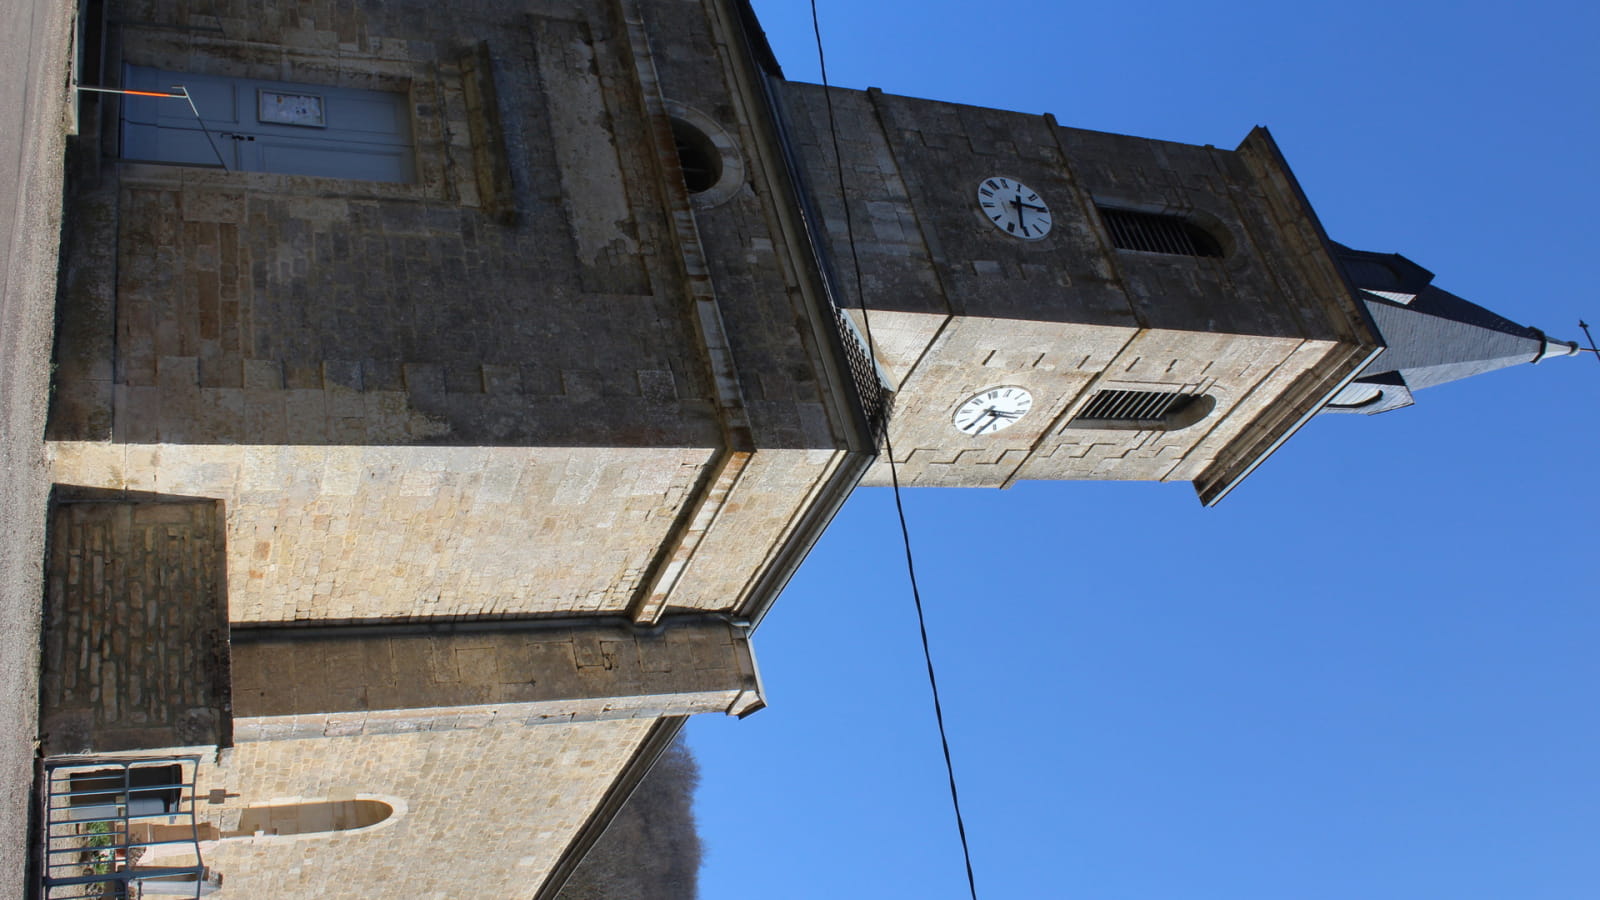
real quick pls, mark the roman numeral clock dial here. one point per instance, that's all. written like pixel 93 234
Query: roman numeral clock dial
pixel 1013 207
pixel 992 409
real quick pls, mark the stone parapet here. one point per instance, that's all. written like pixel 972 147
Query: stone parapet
pixel 338 682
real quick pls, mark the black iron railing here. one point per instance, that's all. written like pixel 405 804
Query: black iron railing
pixel 877 401
pixel 110 823
pixel 871 385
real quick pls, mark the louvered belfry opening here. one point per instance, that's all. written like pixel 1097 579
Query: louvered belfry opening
pixel 1150 409
pixel 1157 233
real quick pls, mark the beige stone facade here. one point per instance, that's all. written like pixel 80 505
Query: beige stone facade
pixel 518 419
pixel 1265 329
pixel 488 811
pixel 493 466
pixel 516 794
pixel 532 432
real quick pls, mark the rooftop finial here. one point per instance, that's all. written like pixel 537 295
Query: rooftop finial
pixel 1591 348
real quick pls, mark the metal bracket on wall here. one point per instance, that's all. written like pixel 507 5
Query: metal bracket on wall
pixel 178 91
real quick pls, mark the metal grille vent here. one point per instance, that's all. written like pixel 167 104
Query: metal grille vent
pixel 1146 409
pixel 1155 233
pixel 877 401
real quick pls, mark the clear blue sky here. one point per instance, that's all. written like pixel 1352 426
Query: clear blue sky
pixel 1372 671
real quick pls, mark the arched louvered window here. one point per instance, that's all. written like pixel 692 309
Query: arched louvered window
pixel 1144 410
pixel 1157 233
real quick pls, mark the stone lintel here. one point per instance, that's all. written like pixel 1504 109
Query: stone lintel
pixel 353 680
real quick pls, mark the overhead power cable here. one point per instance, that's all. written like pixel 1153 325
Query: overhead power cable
pixel 888 451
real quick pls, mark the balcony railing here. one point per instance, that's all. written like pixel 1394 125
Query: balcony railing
pixel 104 817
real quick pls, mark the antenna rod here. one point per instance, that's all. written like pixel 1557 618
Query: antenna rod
pixel 106 90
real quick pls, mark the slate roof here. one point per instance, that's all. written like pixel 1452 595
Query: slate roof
pixel 1430 335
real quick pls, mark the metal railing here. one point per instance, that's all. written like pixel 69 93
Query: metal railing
pixel 102 816
pixel 872 387
pixel 871 383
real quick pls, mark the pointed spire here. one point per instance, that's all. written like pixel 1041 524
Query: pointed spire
pixel 1430 335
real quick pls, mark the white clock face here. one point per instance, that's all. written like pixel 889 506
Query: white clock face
pixel 1013 207
pixel 992 409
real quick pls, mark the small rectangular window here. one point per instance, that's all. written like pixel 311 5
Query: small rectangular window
pixel 251 125
pixel 136 791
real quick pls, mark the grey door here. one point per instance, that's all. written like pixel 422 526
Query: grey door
pixel 268 126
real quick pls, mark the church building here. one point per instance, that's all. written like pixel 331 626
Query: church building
pixel 445 392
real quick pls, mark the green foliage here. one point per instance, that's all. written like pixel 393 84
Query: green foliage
pixel 99 834
pixel 651 850
pixel 100 861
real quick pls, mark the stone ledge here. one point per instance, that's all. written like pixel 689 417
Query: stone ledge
pixel 296 683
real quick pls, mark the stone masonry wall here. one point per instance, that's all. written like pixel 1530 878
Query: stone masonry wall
pixel 515 387
pixel 773 325
pixel 912 168
pixel 363 533
pixel 290 684
pixel 321 353
pixel 479 812
pixel 956 307
pixel 262 308
pixel 135 627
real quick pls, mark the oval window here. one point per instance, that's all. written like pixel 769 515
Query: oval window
pixel 698 157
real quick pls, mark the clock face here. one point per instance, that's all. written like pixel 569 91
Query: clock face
pixel 992 409
pixel 1013 207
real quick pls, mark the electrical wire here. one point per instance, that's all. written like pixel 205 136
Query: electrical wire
pixel 888 449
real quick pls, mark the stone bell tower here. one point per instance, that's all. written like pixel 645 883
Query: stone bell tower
pixel 1149 310
pixel 1056 303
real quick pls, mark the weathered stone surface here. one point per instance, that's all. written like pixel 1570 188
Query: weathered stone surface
pixel 136 628
pixel 956 307
pixel 539 380
pixel 387 680
pixel 504 796
pixel 543 379
pixel 511 412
